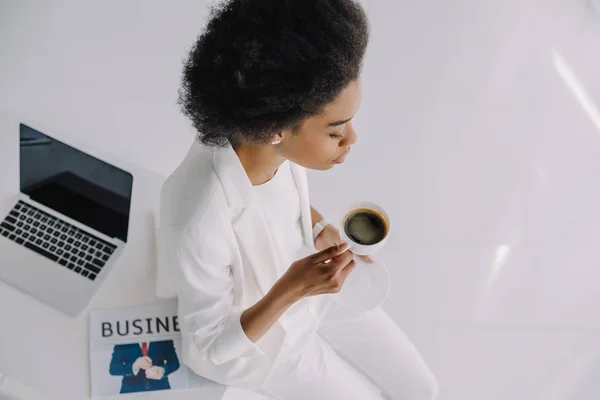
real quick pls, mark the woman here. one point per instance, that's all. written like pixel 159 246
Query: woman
pixel 271 86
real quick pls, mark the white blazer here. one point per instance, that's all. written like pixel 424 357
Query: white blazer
pixel 214 243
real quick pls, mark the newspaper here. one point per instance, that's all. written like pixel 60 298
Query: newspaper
pixel 137 350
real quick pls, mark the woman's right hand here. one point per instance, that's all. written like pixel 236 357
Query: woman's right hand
pixel 306 277
pixel 315 275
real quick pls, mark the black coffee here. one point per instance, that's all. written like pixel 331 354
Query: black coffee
pixel 365 226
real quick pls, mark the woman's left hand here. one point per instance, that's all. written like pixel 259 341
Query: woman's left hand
pixel 330 236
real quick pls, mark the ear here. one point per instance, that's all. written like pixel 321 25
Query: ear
pixel 285 134
pixel 278 138
pixel 275 139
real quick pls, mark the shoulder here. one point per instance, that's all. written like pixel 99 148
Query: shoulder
pixel 126 346
pixel 163 343
pixel 192 193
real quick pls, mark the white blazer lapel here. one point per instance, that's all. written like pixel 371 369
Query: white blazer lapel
pixel 299 174
pixel 319 304
pixel 257 245
pixel 250 226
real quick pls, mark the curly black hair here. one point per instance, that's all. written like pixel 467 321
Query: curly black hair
pixel 263 66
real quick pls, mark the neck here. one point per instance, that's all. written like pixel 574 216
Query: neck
pixel 260 161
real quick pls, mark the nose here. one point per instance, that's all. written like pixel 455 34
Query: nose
pixel 350 136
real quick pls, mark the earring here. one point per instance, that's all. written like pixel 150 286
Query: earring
pixel 276 141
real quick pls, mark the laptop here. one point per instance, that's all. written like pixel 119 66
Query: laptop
pixel 67 226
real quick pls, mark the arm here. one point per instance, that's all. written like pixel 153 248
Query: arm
pixel 217 344
pixel 208 321
pixel 319 223
pixel 118 366
pixel 259 318
pixel 315 216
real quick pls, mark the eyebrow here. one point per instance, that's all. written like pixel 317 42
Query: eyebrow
pixel 338 123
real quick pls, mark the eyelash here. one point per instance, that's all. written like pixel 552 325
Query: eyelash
pixel 335 136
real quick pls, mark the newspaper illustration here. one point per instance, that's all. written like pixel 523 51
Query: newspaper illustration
pixel 137 350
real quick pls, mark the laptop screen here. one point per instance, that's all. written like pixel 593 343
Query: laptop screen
pixel 75 184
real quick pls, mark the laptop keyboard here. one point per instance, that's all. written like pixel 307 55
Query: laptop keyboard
pixel 53 238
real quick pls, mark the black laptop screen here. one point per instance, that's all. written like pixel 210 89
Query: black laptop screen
pixel 74 183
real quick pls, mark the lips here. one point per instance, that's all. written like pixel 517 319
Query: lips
pixel 341 159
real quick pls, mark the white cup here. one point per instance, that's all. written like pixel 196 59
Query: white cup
pixel 362 249
pixel 368 285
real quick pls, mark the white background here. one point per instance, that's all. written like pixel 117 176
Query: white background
pixel 470 137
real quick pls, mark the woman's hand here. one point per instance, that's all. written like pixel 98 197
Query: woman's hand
pixel 330 236
pixel 320 273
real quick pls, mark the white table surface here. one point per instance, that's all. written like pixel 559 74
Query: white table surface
pixel 46 349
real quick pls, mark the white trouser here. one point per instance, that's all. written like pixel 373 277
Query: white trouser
pixel 354 358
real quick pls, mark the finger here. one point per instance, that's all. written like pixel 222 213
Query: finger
pixel 339 261
pixel 367 259
pixel 342 260
pixel 329 253
pixel 343 274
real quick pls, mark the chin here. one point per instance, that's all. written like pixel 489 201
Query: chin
pixel 324 167
pixel 317 167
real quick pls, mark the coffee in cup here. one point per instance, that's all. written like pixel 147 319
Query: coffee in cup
pixel 365 227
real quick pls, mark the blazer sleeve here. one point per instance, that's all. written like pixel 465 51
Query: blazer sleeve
pixel 208 319
pixel 118 365
pixel 171 361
